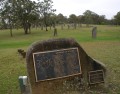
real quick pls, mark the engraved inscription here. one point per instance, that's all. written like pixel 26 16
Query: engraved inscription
pixel 56 64
pixel 96 77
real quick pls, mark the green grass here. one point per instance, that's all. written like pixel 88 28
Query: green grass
pixel 105 48
pixel 80 34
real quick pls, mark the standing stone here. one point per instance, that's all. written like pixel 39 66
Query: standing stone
pixel 68 26
pixel 55 32
pixel 94 32
pixel 58 86
pixel 42 27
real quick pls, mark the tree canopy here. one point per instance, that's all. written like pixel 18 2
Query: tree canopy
pixel 27 13
pixel 117 18
pixel 45 10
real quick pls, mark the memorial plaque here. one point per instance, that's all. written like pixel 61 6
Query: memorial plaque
pixel 56 64
pixel 96 77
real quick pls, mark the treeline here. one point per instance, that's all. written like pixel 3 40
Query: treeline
pixel 27 13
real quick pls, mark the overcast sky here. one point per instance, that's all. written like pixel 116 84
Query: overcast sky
pixel 109 8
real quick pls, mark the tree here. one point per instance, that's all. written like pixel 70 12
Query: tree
pixel 102 20
pixel 80 20
pixel 23 11
pixel 2 19
pixel 52 20
pixel 72 18
pixel 26 13
pixel 45 10
pixel 117 18
pixel 61 19
pixel 7 14
pixel 88 17
pixel 93 18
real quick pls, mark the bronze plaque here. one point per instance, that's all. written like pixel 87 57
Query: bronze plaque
pixel 96 77
pixel 56 64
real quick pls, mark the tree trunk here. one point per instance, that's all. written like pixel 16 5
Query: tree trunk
pixel 41 27
pixel 27 27
pixel 45 21
pixel 26 31
pixel 10 26
pixel 46 28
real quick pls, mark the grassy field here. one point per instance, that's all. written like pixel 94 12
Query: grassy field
pixel 105 48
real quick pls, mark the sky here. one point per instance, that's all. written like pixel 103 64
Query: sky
pixel 109 8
